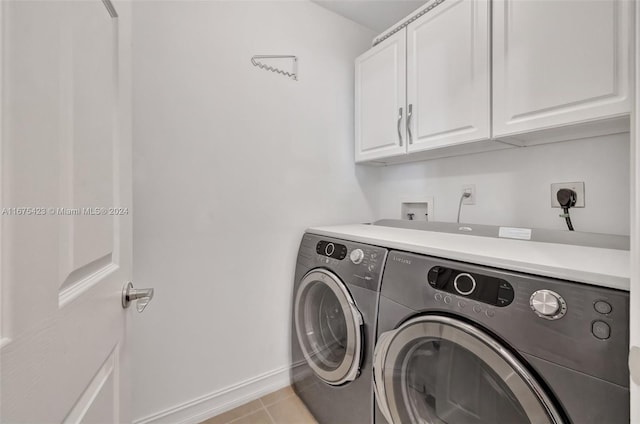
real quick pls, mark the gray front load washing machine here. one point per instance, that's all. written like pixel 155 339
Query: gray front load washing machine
pixel 335 304
pixel 460 343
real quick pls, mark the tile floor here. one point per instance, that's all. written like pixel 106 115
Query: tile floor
pixel 279 407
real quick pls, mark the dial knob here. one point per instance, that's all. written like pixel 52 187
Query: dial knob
pixel 464 284
pixel 356 256
pixel 329 249
pixel 548 304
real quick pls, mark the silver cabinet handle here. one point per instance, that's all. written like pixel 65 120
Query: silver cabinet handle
pixel 409 115
pixel 399 122
pixel 129 294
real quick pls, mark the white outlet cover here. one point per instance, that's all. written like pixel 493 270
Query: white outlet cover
pixel 578 187
pixel 472 199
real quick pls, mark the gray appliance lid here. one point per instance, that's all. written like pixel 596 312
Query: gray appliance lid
pixel 576 238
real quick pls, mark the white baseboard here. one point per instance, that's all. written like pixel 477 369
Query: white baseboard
pixel 212 404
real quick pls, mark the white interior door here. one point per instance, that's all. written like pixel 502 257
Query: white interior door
pixel 66 229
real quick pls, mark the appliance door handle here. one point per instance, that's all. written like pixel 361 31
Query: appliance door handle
pixel 379 357
pixel 409 115
pixel 399 124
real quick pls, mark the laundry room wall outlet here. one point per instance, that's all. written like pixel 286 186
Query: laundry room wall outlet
pixel 471 189
pixel 578 187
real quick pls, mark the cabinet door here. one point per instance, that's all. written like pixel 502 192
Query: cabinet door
pixel 380 97
pixel 448 75
pixel 559 62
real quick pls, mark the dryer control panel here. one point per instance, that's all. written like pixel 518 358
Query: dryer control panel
pixel 355 263
pixel 483 288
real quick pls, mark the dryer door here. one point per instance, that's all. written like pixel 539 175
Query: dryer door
pixel 438 370
pixel 329 327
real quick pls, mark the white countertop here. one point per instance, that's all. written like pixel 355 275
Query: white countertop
pixel 590 265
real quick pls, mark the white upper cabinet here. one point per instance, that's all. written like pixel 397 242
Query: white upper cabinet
pixel 561 62
pixel 380 100
pixel 448 75
pixel 486 74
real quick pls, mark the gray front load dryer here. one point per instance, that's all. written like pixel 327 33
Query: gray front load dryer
pixel 459 343
pixel 335 303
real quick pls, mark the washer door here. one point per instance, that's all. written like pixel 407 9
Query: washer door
pixel 328 326
pixel 440 370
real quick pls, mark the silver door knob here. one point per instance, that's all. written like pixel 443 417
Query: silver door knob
pixel 129 294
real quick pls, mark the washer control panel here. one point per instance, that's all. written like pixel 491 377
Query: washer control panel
pixel 355 263
pixel 483 288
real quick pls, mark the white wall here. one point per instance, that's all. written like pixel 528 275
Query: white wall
pixel 231 164
pixel 513 186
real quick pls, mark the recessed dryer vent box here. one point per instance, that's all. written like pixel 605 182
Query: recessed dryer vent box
pixel 417 210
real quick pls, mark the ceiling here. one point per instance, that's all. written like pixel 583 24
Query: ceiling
pixel 377 15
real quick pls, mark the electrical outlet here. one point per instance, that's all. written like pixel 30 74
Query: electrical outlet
pixel 578 187
pixel 469 188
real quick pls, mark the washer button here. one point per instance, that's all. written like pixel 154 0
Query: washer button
pixel 329 249
pixel 477 309
pixel 490 313
pixel 438 297
pixel 462 304
pixel 464 284
pixel 447 300
pixel 602 307
pixel 601 330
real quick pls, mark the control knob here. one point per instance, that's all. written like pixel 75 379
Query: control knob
pixel 356 256
pixel 329 249
pixel 464 283
pixel 548 304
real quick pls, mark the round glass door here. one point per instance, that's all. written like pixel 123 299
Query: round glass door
pixel 328 326
pixel 439 370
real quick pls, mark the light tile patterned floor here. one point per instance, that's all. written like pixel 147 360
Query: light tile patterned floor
pixel 279 407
